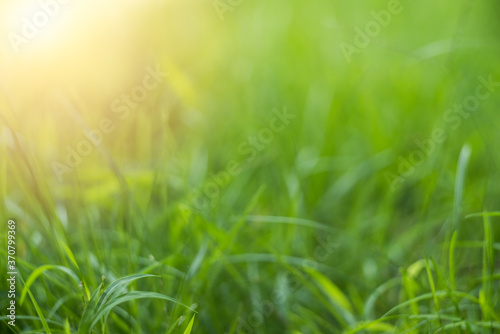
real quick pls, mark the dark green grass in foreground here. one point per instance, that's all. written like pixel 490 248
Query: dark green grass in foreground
pixel 251 273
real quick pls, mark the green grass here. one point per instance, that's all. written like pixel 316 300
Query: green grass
pixel 308 237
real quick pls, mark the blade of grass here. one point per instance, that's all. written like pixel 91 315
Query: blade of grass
pixel 39 271
pixel 190 326
pixel 38 311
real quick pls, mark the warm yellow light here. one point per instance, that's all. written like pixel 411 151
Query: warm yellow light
pixel 62 45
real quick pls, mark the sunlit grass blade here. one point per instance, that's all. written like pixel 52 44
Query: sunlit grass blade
pixel 104 310
pixel 486 293
pixel 410 289
pixel 451 262
pixel 67 328
pixel 334 293
pixel 369 308
pixel 39 271
pixel 72 258
pixel 190 326
pixel 38 311
pixel 432 285
pixel 483 214
pixel 118 284
pixel 370 324
pixel 463 162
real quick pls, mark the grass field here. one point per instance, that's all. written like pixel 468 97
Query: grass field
pixel 250 167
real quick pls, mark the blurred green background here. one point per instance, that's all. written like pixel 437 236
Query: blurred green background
pixel 309 236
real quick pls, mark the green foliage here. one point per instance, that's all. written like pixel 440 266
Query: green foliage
pixel 310 236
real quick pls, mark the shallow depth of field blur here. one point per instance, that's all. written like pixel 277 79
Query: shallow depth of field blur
pixel 277 167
